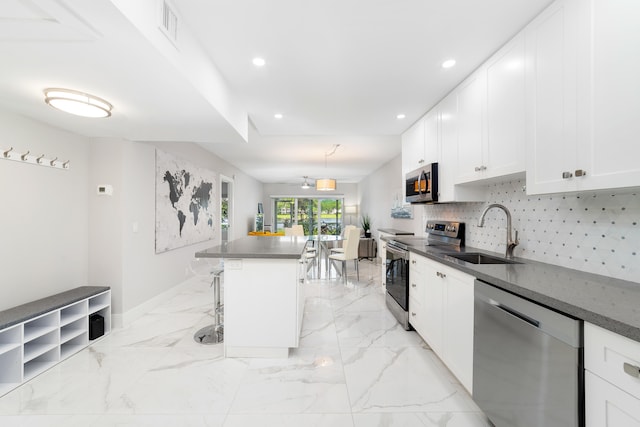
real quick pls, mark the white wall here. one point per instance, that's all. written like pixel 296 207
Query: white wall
pixel 57 233
pixel 43 213
pixel 125 259
pixel 377 193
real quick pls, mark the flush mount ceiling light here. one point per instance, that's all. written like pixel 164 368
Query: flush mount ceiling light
pixel 400 116
pixel 327 184
pixel 259 62
pixel 78 103
pixel 278 116
pixel 449 63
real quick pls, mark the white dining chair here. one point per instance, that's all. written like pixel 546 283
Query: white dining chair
pixel 350 253
pixel 345 232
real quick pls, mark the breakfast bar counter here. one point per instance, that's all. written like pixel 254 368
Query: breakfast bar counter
pixel 263 294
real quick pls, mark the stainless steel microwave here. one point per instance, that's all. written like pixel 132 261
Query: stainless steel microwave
pixel 422 184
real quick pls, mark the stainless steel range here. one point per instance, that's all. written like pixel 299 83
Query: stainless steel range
pixel 439 233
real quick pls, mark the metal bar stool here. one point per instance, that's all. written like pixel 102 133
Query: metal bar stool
pixel 214 334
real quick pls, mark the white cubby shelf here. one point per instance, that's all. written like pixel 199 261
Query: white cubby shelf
pixel 38 335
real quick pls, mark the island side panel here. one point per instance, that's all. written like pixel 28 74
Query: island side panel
pixel 261 300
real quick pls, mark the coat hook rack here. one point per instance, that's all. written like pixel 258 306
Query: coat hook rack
pixel 9 154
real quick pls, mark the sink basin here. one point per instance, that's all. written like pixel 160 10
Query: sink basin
pixel 478 258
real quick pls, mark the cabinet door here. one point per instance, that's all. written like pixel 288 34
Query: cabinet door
pixel 417 293
pixel 413 147
pixel 608 406
pixel 551 72
pixel 434 307
pixel 447 169
pixel 458 327
pixel 505 143
pixel 432 136
pixel 608 147
pixel 470 137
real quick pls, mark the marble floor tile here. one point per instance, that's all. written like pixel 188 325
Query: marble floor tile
pixel 402 379
pixel 421 419
pixel 355 367
pixel 311 380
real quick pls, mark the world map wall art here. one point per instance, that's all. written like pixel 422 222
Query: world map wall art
pixel 185 203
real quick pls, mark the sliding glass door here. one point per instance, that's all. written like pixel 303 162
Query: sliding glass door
pixel 316 215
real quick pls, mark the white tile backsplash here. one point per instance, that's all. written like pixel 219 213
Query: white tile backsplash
pixel 597 232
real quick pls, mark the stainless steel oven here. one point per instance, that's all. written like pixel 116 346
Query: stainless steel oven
pixel 439 233
pixel 397 282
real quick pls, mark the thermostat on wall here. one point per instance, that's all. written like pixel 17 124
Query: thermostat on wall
pixel 105 190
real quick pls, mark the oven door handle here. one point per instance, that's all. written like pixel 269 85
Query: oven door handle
pixel 396 251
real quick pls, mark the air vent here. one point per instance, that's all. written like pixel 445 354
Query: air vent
pixel 169 23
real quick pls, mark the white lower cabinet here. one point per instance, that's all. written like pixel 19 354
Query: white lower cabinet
pixel 263 306
pixel 382 253
pixel 608 406
pixel 612 379
pixel 442 313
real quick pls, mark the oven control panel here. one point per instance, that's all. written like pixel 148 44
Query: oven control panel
pixel 451 229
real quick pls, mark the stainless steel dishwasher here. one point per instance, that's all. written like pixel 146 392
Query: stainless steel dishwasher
pixel 527 362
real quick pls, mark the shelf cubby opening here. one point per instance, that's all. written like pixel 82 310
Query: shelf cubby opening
pixel 41 363
pixel 41 326
pixel 99 302
pixel 73 312
pixel 73 346
pixel 10 339
pixel 41 345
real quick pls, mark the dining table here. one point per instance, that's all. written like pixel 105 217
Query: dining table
pixel 322 246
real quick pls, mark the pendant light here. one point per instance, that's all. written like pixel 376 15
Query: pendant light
pixel 327 184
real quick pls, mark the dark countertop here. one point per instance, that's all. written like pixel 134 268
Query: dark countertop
pixel 273 247
pixel 396 232
pixel 27 311
pixel 613 304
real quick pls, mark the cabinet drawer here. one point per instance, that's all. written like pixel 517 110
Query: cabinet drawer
pixel 613 357
pixel 608 406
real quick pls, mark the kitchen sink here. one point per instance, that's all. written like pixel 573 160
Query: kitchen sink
pixel 478 258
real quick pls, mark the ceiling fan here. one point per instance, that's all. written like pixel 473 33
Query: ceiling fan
pixel 306 184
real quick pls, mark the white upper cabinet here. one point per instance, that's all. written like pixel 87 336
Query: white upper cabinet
pixel 608 127
pixel 583 96
pixel 469 121
pixel 491 107
pixel 552 43
pixel 413 147
pixel 504 151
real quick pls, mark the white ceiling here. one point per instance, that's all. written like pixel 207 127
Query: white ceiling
pixel 338 70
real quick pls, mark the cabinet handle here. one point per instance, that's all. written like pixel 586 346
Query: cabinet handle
pixel 421 161
pixel 413 261
pixel 632 370
pixel 580 172
pixel 477 169
pixel 567 175
pixel 413 314
pixel 413 285
pixel 440 274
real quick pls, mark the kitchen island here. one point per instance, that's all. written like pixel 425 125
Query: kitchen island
pixel 263 295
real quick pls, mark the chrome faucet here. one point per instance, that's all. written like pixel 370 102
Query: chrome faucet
pixel 511 244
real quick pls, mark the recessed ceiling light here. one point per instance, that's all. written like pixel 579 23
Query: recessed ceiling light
pixel 449 63
pixel 400 116
pixel 259 62
pixel 78 103
pixel 278 116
